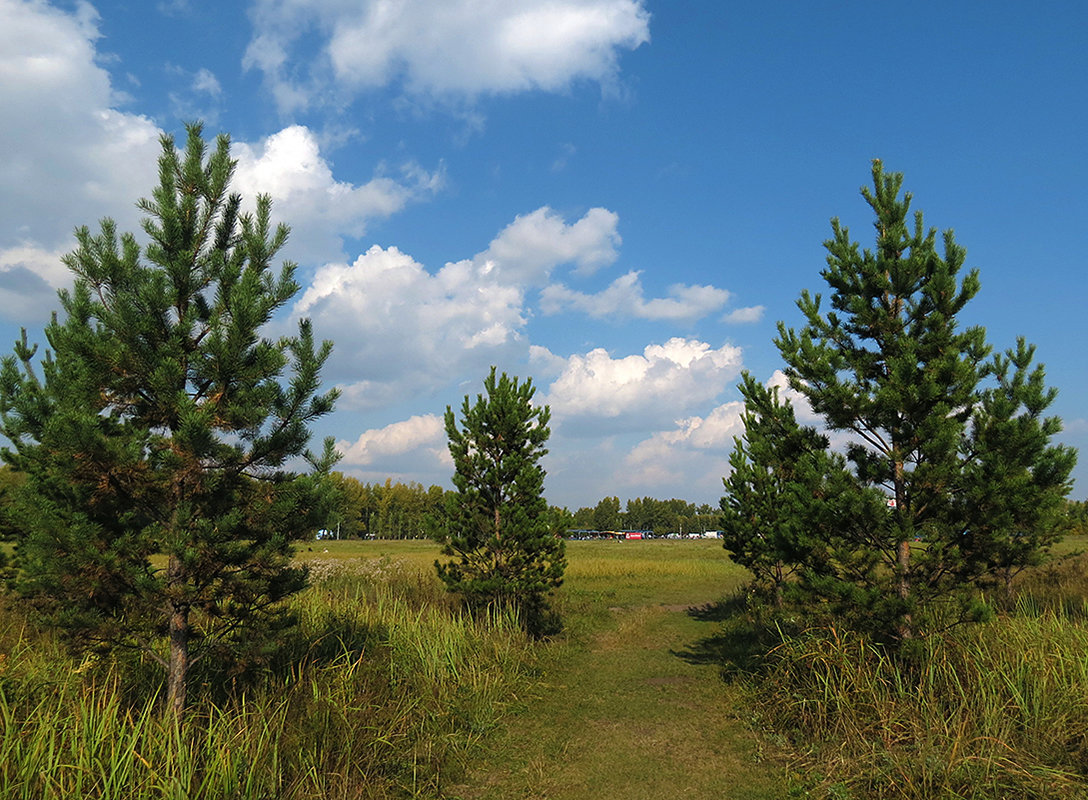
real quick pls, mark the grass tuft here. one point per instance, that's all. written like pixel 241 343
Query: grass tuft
pixel 989 711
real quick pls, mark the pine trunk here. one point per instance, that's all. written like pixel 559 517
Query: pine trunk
pixel 906 625
pixel 178 669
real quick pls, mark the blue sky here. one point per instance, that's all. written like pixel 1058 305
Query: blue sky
pixel 618 198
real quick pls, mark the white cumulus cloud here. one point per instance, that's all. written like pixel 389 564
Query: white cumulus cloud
pixel 52 181
pixel 400 330
pixel 419 433
pixel 625 297
pixel 29 279
pixel 663 383
pixel 533 244
pixel 714 433
pixel 801 408
pixel 691 456
pixel 460 48
pixel 70 156
pixel 289 167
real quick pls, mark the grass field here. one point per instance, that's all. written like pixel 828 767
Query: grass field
pixel 389 691
pixel 383 690
pixel 652 690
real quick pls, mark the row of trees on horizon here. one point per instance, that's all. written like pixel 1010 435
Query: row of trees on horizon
pixel 397 510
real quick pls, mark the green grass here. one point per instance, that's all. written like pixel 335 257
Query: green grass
pixel 990 712
pixel 385 692
pixel 993 710
pixel 1070 545
pixel 657 687
pixel 629 706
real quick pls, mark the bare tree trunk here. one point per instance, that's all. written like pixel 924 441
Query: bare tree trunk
pixel 906 625
pixel 178 670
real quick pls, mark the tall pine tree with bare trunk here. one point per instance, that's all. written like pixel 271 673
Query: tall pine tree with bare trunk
pixel 155 432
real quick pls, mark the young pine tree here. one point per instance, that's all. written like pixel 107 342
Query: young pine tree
pixel 498 524
pixel 968 463
pixel 158 513
pixel 1014 480
pixel 790 501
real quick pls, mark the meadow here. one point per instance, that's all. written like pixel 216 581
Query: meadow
pixel 992 710
pixel 383 689
pixel 660 681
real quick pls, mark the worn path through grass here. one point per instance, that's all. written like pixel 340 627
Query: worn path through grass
pixel 626 708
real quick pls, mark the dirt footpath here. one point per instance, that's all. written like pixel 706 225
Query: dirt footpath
pixel 625 717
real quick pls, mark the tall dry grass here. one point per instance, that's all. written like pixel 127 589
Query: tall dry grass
pixel 383 692
pixel 989 711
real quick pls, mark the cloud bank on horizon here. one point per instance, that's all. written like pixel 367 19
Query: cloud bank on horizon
pixel 637 360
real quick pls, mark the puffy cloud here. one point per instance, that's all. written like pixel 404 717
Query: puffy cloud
pixel 545 362
pixel 289 167
pixel 459 48
pixel 596 391
pixel 419 433
pixel 839 440
pixel 714 431
pixel 692 458
pixel 743 316
pixel 530 247
pixel 29 279
pixel 801 408
pixel 401 330
pixel 634 423
pixel 51 180
pixel 44 265
pixel 624 297
pixel 407 330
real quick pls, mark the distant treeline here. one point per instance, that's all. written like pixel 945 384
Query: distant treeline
pixel 1076 517
pixel 394 510
pixel 647 514
pixel 386 510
